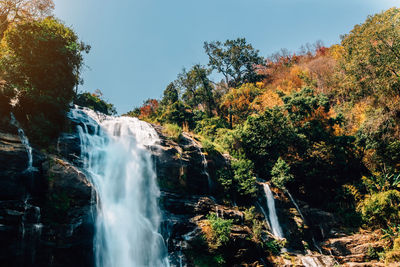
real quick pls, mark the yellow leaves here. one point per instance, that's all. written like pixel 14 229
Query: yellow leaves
pixel 336 51
pixel 268 99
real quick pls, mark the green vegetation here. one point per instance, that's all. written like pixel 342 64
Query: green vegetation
pixel 30 50
pixel 220 230
pixel 173 131
pixel 323 123
pixel 280 174
pixel 94 101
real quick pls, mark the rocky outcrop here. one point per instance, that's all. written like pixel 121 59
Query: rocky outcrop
pixel 45 213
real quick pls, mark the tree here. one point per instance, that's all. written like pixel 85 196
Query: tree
pixel 196 88
pixel 280 174
pixel 149 109
pixel 42 61
pixel 237 103
pixel 17 10
pixel 372 54
pixel 236 60
pixel 171 95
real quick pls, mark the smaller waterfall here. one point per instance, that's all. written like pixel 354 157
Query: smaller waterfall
pixel 205 165
pixel 25 142
pixel 295 204
pixel 205 169
pixel 273 218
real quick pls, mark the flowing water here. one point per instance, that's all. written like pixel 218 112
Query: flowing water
pixel 25 142
pixel 273 218
pixel 121 169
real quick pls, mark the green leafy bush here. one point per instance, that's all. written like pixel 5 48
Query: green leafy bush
pixel 94 101
pixel 280 174
pixel 244 177
pixel 172 131
pixel 382 209
pixel 31 51
pixel 221 229
pixel 208 127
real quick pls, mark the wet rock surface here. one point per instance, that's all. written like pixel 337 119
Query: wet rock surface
pixel 45 213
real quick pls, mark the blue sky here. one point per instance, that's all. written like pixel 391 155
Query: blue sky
pixel 139 46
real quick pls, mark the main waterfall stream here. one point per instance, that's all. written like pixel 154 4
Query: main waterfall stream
pixel 121 169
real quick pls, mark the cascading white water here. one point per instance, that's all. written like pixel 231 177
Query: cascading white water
pixel 121 169
pixel 273 218
pixel 25 142
pixel 295 204
pixel 205 166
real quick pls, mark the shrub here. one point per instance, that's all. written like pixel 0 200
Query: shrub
pixel 208 127
pixel 94 101
pixel 244 177
pixel 382 209
pixel 273 246
pixel 172 131
pixel 250 214
pixel 221 229
pixel 280 174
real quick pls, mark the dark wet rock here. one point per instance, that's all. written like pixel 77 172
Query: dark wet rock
pixel 46 214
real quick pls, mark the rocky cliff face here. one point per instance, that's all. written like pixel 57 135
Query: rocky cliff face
pixel 47 219
pixel 45 213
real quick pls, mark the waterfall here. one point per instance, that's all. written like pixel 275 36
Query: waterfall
pixel 295 204
pixel 204 163
pixel 273 218
pixel 304 220
pixel 121 169
pixel 25 142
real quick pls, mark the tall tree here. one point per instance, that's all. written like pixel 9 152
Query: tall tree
pixel 236 60
pixel 42 61
pixel 372 54
pixel 196 88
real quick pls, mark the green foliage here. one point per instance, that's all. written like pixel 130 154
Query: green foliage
pixel 221 229
pixel 236 60
pixel 250 214
pixel 31 50
pixel 265 137
pixel 225 179
pixel 257 229
pixel 171 95
pixel 208 127
pixel 382 209
pixel 373 253
pixel 176 113
pixel 173 131
pixel 244 177
pixel 302 134
pixel 196 88
pixel 94 101
pixel 280 174
pixel 381 182
pixel 372 53
pixel 273 246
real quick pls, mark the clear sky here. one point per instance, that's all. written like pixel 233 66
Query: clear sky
pixel 139 46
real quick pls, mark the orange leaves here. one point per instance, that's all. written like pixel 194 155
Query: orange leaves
pixel 238 101
pixel 149 108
